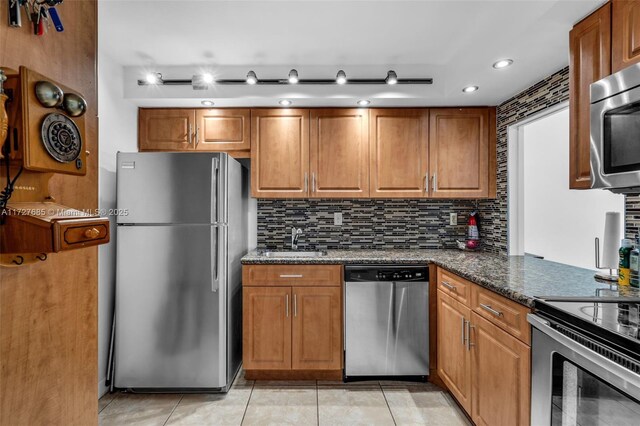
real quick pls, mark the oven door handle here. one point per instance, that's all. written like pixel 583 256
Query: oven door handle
pixel 620 377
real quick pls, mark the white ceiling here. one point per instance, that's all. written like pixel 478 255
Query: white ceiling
pixel 454 42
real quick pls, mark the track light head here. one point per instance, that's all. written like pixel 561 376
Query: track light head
pixel 252 78
pixel 153 78
pixel 341 77
pixel 202 81
pixel 392 77
pixel 293 76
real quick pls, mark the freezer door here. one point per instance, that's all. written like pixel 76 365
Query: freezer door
pixel 386 329
pixel 171 188
pixel 170 307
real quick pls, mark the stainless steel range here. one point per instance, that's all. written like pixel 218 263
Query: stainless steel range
pixel 586 361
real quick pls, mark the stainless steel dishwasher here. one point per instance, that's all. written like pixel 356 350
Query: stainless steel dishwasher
pixel 386 321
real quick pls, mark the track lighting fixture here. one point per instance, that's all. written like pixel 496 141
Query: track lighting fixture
pixel 153 78
pixel 341 77
pixel 252 78
pixel 392 77
pixel 293 76
pixel 202 81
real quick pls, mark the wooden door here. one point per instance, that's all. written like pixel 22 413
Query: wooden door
pixel 398 152
pixel 459 152
pixel 280 153
pixel 500 366
pixel 589 61
pixel 454 358
pixel 223 129
pixel 317 328
pixel 161 129
pixel 625 34
pixel 266 324
pixel 339 153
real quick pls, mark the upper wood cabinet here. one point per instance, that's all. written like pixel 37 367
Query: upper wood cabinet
pixel 280 153
pixel 165 129
pixel 589 61
pixel 223 129
pixel 339 153
pixel 399 140
pixel 625 43
pixel 459 152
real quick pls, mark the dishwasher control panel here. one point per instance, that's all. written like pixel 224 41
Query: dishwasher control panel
pixel 386 273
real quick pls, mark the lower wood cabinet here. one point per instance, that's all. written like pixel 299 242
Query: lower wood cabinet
pixel 294 328
pixel 484 366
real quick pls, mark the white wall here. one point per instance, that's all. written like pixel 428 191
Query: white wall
pixel 559 224
pixel 117 132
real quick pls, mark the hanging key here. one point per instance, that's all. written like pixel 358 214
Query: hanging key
pixel 55 19
pixel 14 14
pixel 44 18
pixel 25 6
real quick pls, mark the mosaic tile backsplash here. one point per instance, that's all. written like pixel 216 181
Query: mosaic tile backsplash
pixel 417 223
pixel 367 224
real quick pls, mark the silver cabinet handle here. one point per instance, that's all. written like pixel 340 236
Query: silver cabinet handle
pixel 490 309
pixel 290 275
pixel 463 330
pixel 426 182
pixel 434 182
pixel 286 305
pixel 449 286
pixel 190 135
pixel 295 305
pixel 197 133
pixel 313 182
pixel 306 182
pixel 469 327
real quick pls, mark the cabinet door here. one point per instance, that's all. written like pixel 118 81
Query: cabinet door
pixel 589 61
pixel 454 358
pixel 165 129
pixel 459 152
pixel 266 323
pixel 625 28
pixel 223 130
pixel 399 153
pixel 500 366
pixel 280 153
pixel 339 142
pixel 317 328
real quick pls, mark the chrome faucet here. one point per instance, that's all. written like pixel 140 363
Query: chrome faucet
pixel 295 234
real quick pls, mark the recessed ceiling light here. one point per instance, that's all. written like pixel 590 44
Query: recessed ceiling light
pixel 293 76
pixel 392 77
pixel 207 78
pixel 153 78
pixel 285 102
pixel 341 77
pixel 252 78
pixel 363 102
pixel 207 103
pixel 502 63
pixel 470 89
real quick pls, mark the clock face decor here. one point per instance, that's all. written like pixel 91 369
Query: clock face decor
pixel 61 137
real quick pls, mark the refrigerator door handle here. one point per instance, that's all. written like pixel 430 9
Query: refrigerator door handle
pixel 215 189
pixel 215 279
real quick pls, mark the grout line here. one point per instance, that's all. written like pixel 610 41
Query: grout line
pixel 174 409
pixel 387 402
pixel 108 404
pixel 253 386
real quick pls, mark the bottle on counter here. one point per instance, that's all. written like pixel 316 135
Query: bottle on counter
pixel 634 264
pixel 626 245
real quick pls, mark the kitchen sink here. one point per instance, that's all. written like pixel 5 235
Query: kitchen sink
pixel 294 253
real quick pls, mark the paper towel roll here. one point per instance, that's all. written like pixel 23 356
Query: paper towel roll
pixel 611 241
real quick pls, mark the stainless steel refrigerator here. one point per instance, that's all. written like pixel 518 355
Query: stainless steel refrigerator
pixel 181 233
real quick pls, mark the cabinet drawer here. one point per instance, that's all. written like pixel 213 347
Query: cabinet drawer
pixel 298 275
pixel 454 286
pixel 506 314
pixel 70 234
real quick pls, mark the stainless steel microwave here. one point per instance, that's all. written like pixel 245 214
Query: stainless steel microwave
pixel 615 132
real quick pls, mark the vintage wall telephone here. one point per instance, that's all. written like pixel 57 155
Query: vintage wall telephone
pixel 45 134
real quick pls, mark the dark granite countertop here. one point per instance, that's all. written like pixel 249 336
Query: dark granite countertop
pixel 519 278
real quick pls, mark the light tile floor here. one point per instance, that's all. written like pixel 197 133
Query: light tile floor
pixel 294 403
